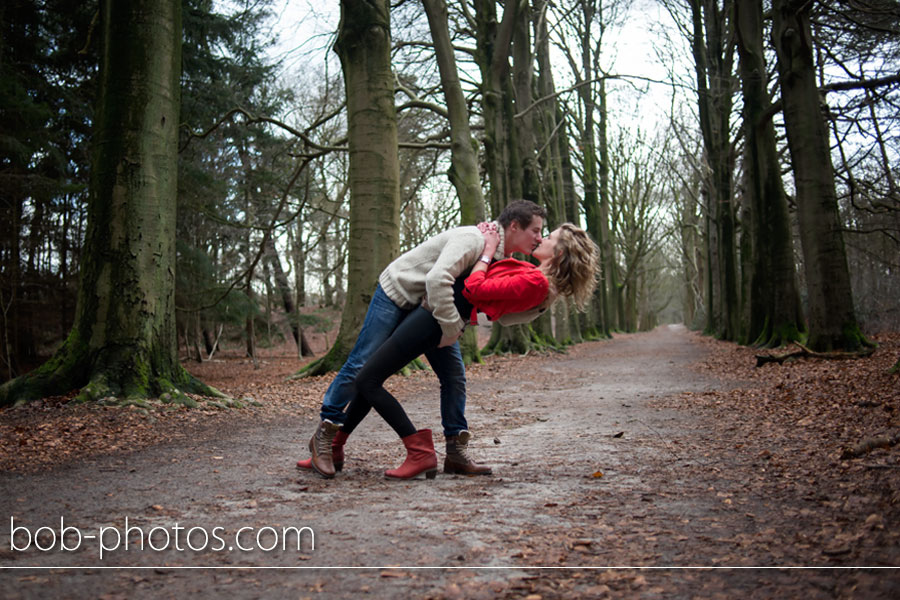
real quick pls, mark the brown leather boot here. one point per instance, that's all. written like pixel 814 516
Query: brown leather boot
pixel 420 457
pixel 457 459
pixel 320 448
pixel 337 453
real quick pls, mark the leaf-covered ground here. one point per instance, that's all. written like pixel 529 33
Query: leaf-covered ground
pixel 838 403
pixel 650 450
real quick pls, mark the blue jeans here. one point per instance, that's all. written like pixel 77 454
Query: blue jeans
pixel 381 320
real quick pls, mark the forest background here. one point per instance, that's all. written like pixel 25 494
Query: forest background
pixel 746 187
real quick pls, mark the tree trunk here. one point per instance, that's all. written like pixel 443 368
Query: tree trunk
pixel 713 58
pixel 492 55
pixel 198 335
pixel 548 131
pixel 689 225
pixel 832 320
pixel 299 258
pixel 250 330
pixel 502 156
pixel 610 268
pixel 575 322
pixel 570 196
pixel 522 166
pixel 208 342
pixel 13 321
pixel 585 71
pixel 65 317
pixel 124 341
pixel 774 304
pixel 463 172
pixel 364 47
pixel 552 196
pixel 523 125
pixel 287 297
pixel 250 321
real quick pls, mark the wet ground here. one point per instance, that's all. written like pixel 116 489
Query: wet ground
pixel 595 466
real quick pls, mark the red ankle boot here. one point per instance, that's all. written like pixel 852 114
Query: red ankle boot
pixel 420 457
pixel 337 453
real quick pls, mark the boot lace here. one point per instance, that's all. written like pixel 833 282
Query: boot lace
pixel 324 438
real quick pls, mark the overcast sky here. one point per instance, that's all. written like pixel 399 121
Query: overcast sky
pixel 306 29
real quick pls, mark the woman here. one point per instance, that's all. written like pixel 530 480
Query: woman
pixel 568 265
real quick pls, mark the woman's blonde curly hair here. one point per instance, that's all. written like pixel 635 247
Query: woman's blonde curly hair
pixel 573 269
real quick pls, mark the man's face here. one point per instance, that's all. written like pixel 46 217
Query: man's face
pixel 523 239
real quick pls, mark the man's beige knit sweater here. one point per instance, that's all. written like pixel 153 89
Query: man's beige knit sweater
pixel 431 268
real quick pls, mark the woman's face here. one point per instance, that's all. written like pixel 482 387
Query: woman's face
pixel 548 247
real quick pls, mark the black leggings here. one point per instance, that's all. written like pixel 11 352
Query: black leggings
pixel 416 334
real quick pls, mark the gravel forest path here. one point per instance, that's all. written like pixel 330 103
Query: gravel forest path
pixel 596 464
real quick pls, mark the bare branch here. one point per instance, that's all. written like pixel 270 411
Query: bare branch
pixel 251 118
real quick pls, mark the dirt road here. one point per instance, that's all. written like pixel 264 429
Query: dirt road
pixel 594 468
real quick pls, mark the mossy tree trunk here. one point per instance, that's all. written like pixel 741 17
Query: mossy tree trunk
pixel 364 47
pixel 832 319
pixel 775 315
pixel 517 339
pixel 123 342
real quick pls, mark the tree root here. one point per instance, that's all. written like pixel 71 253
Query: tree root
pixel 175 400
pixel 869 444
pixel 123 382
pixel 762 359
pixel 333 360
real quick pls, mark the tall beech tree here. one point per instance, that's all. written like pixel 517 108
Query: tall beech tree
pixel 712 47
pixel 515 89
pixel 123 342
pixel 522 124
pixel 586 22
pixel 550 129
pixel 463 172
pixel 502 154
pixel 364 47
pixel 832 320
pixel 492 50
pixel 775 314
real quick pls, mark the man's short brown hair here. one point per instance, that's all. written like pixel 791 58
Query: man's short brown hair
pixel 522 212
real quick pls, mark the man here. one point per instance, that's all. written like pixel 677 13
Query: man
pixel 427 271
